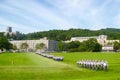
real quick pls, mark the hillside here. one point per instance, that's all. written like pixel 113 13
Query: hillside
pixel 111 30
pixel 112 33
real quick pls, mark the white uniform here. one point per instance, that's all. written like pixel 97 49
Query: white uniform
pixel 105 66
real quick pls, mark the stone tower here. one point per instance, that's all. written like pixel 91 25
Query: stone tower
pixel 9 29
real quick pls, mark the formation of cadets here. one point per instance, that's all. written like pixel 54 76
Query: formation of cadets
pixel 90 64
pixel 57 58
pixel 93 64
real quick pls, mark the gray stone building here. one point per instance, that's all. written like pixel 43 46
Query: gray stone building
pixel 50 45
pixel 10 33
pixel 102 39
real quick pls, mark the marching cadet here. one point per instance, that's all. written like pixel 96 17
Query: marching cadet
pixel 93 64
pixel 98 65
pixel 88 63
pixel 105 64
pixel 79 63
pixel 84 63
pixel 102 61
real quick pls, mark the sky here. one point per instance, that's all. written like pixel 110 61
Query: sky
pixel 29 16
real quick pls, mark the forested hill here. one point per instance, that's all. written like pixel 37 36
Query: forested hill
pixel 67 34
pixel 111 30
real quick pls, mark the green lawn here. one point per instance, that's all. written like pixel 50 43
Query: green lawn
pixel 30 66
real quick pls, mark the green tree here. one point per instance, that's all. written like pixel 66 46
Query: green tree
pixel 14 47
pixel 97 47
pixel 5 44
pixel 90 45
pixel 24 46
pixel 73 46
pixel 62 46
pixel 116 46
pixel 83 46
pixel 40 46
pixel 93 45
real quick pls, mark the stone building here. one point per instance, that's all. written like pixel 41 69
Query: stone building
pixel 102 39
pixel 50 45
pixel 108 48
pixel 107 45
pixel 10 33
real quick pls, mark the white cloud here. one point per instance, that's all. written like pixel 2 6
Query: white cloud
pixel 17 26
pixel 28 19
pixel 80 11
pixel 71 7
pixel 43 13
pixel 117 20
pixel 63 14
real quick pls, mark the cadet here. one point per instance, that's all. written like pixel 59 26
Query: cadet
pixel 105 64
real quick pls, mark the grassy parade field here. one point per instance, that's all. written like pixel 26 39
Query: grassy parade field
pixel 30 66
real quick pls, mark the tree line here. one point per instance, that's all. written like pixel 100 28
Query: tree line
pixel 90 45
pixel 63 35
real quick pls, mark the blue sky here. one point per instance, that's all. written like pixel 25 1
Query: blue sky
pixel 42 15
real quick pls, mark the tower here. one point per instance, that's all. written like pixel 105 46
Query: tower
pixel 102 39
pixel 9 29
pixel 8 32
